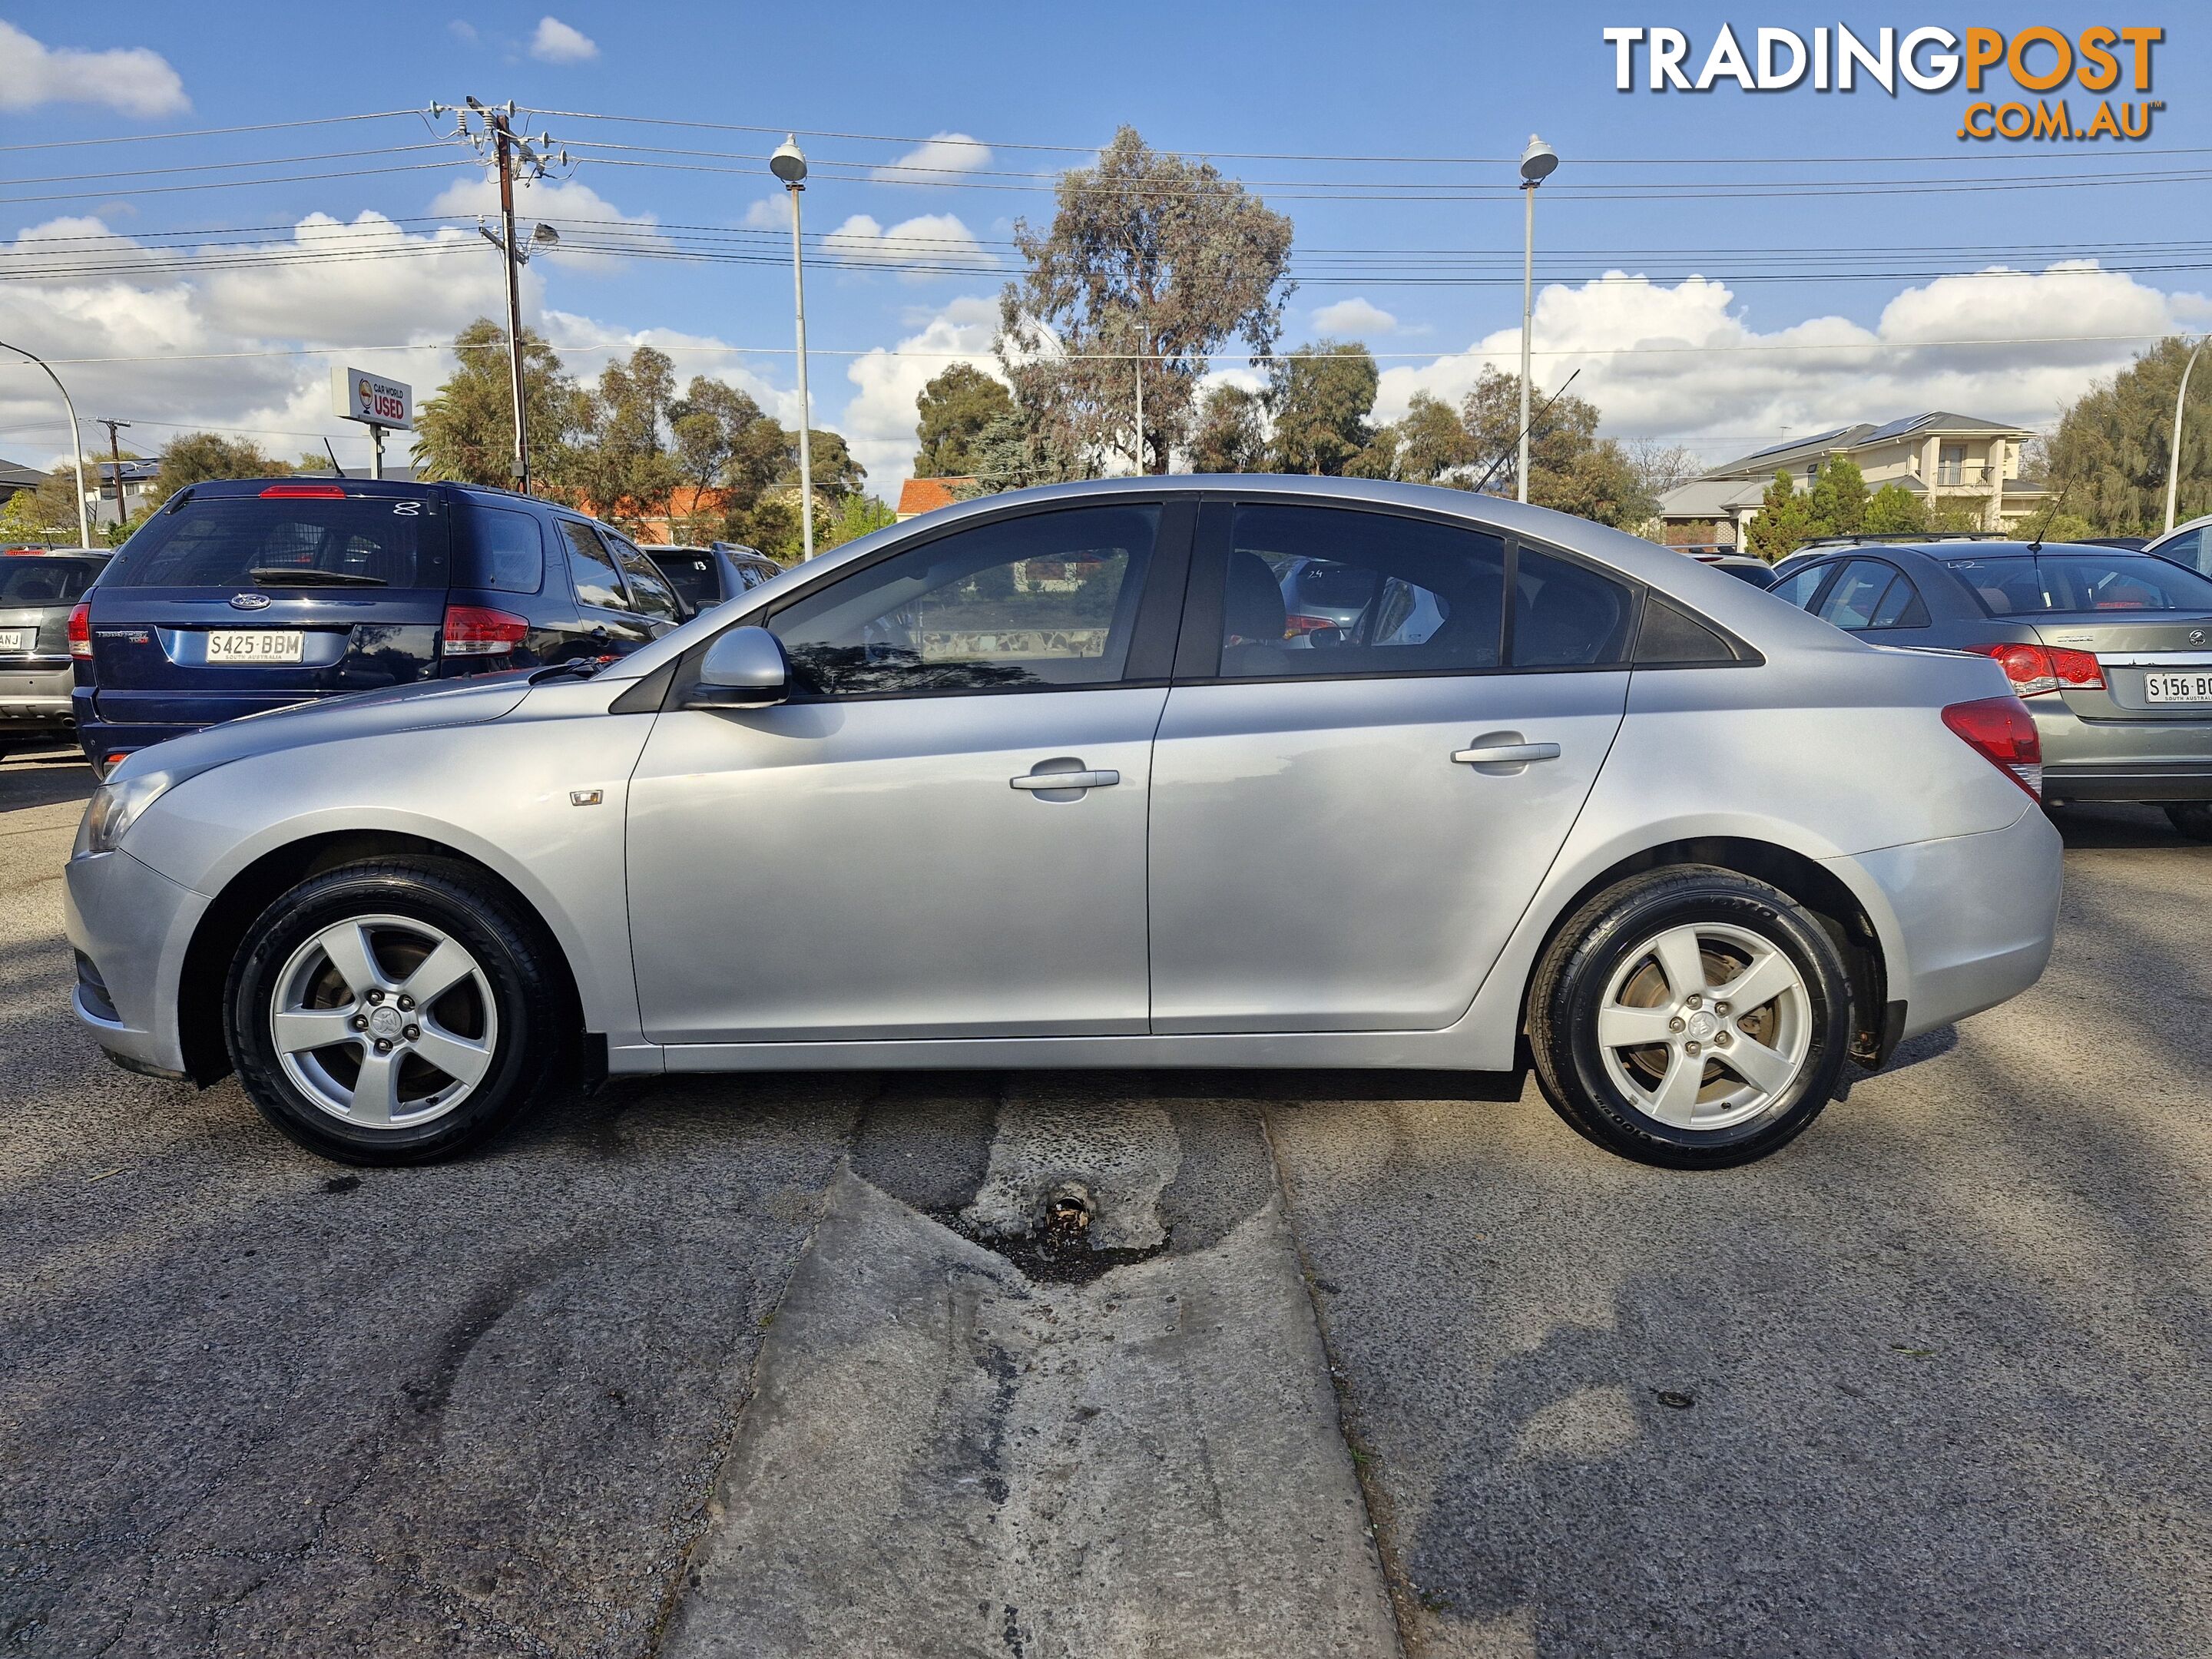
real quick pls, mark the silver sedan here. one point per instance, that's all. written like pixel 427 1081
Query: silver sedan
pixel 1052 779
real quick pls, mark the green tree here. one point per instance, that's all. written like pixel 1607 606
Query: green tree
pixel 46 512
pixel 1599 483
pixel 2110 452
pixel 465 431
pixel 1321 397
pixel 191 457
pixel 1838 498
pixel 857 515
pixel 1556 434
pixel 954 407
pixel 619 463
pixel 1893 510
pixel 1433 444
pixel 1785 521
pixel 1231 436
pixel 1015 452
pixel 1157 260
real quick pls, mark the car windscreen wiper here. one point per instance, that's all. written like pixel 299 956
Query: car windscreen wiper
pixel 582 667
pixel 307 576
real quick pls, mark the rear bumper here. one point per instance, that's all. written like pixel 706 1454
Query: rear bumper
pixel 2128 781
pixel 35 700
pixel 1975 916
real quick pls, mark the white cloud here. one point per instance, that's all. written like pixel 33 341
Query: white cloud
pixel 462 30
pixel 947 152
pixel 555 42
pixel 1353 318
pixel 1696 372
pixel 932 239
pixel 570 204
pixel 131 79
pixel 878 423
pixel 769 213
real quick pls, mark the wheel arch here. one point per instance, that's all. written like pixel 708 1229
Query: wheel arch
pixel 250 891
pixel 1841 912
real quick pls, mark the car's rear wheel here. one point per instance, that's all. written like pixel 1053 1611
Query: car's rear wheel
pixel 1690 1016
pixel 394 1012
pixel 2192 818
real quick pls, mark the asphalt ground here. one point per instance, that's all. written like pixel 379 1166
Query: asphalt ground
pixel 1300 1363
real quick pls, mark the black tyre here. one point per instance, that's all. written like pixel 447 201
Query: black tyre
pixel 2193 818
pixel 1690 1016
pixel 394 1012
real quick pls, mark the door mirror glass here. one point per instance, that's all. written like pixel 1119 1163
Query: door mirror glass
pixel 745 668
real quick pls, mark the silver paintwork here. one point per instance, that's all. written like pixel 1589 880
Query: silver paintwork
pixel 890 882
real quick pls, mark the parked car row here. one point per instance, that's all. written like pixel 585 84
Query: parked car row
pixel 243 596
pixel 38 588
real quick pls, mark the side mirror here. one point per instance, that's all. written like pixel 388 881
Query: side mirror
pixel 745 668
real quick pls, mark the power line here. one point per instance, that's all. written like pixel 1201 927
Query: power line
pixel 227 167
pixel 229 184
pixel 212 133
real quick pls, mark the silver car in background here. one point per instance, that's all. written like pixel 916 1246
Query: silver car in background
pixel 1018 785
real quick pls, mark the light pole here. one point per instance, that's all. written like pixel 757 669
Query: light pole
pixel 2174 464
pixel 1537 163
pixel 76 444
pixel 789 165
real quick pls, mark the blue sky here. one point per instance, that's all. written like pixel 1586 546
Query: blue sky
pixel 1730 358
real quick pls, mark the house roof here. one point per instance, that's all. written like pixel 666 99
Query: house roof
pixel 15 475
pixel 919 495
pixel 1775 457
pixel 1711 498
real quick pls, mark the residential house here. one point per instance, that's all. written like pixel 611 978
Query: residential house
pixel 15 478
pixel 1950 461
pixel 137 479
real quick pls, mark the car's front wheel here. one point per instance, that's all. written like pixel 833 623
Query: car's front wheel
pixel 1690 1016
pixel 394 1012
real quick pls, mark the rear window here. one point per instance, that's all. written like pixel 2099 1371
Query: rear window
pixel 360 541
pixel 2082 580
pixel 29 582
pixel 692 574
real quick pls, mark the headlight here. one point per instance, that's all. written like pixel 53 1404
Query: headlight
pixel 114 807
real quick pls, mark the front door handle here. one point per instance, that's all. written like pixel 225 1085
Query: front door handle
pixel 1034 781
pixel 1507 754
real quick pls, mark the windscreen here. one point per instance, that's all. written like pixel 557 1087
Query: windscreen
pixel 32 582
pixel 692 574
pixel 237 542
pixel 2082 579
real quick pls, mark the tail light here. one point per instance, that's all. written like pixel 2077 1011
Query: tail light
pixel 474 630
pixel 2003 732
pixel 2034 668
pixel 1294 625
pixel 80 631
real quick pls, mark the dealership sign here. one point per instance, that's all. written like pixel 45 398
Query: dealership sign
pixel 357 395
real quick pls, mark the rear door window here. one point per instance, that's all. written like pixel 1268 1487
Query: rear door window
pixel 648 589
pixel 235 542
pixel 591 568
pixel 501 549
pixel 1856 595
pixel 29 582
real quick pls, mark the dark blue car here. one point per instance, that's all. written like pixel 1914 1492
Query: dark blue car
pixel 246 595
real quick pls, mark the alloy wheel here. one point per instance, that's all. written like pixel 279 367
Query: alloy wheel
pixel 1706 1026
pixel 385 1022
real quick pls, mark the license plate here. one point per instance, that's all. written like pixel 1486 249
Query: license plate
pixel 17 639
pixel 252 645
pixel 2193 685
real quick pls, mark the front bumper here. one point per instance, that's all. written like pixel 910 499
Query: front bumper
pixel 1975 917
pixel 133 924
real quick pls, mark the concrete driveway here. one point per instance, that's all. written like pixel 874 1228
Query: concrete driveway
pixel 1300 1364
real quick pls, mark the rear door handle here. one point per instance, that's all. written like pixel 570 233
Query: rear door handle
pixel 1507 754
pixel 1034 781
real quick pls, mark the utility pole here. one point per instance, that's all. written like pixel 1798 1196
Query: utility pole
pixel 1140 415
pixel 115 450
pixel 510 153
pixel 2173 462
pixel 76 440
pixel 1537 164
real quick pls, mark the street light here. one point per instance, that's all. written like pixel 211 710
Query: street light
pixel 1537 163
pixel 789 165
pixel 2174 464
pixel 77 446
